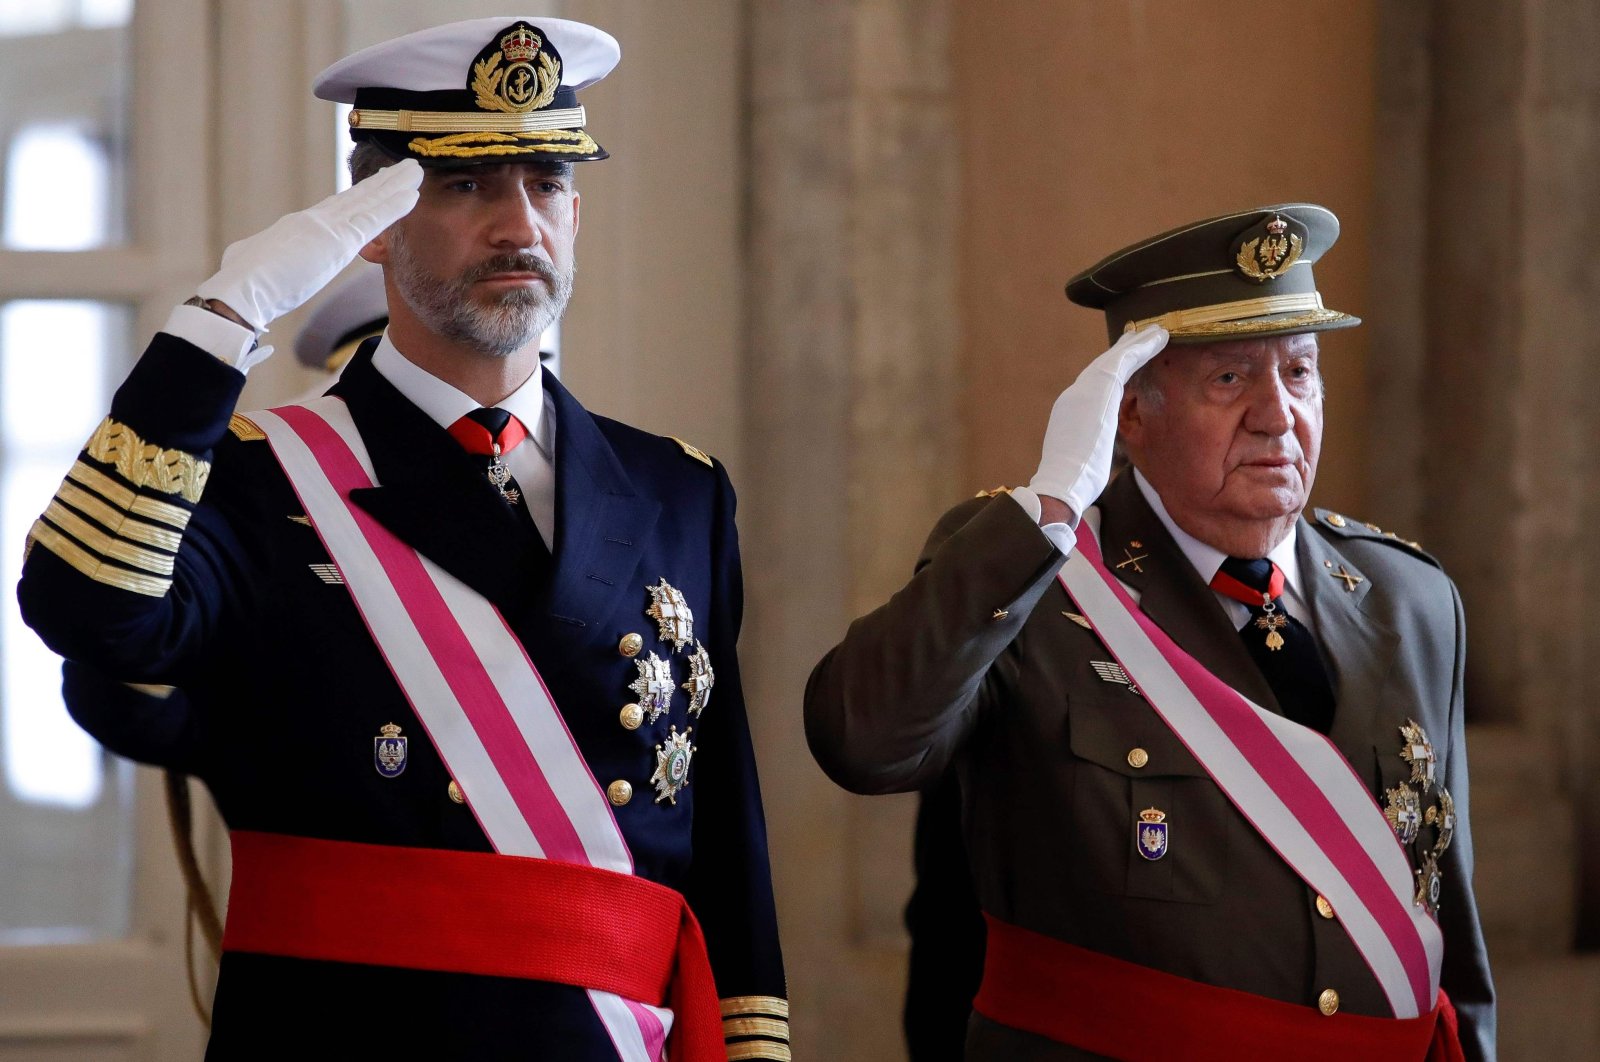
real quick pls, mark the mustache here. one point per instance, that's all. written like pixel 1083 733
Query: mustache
pixel 512 263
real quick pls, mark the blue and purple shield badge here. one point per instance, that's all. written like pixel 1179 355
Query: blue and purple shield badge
pixel 1150 833
pixel 389 751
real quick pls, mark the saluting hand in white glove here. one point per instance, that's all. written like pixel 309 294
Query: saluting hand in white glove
pixel 1076 463
pixel 266 275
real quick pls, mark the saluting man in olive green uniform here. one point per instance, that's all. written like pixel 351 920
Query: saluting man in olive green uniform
pixel 1134 908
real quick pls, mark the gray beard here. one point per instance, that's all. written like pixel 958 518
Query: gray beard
pixel 448 308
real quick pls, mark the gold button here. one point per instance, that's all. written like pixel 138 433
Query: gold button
pixel 1373 527
pixel 632 716
pixel 1138 757
pixel 455 792
pixel 1328 1002
pixel 619 792
pixel 1325 909
pixel 630 645
pixel 1335 519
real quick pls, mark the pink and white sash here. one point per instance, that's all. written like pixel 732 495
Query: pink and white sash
pixel 1290 782
pixel 479 696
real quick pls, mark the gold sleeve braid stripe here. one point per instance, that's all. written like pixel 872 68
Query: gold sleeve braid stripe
pixel 770 1006
pixel 759 1049
pixel 93 567
pixel 772 1028
pixel 147 465
pixel 122 498
pixel 86 534
pixel 118 522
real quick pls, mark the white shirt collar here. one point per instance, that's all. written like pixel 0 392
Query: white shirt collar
pixel 1207 559
pixel 445 405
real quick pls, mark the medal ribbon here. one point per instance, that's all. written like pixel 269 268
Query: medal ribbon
pixel 469 680
pixel 475 438
pixel 1295 788
pixel 1228 586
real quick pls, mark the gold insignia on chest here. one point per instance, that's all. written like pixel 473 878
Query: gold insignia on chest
pixel 672 765
pixel 1404 812
pixel 1351 579
pixel 1081 621
pixel 1428 883
pixel 1132 561
pixel 669 609
pixel 1442 816
pixel 303 521
pixel 1418 752
pixel 701 679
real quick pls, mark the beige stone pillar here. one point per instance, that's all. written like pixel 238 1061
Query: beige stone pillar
pixel 852 448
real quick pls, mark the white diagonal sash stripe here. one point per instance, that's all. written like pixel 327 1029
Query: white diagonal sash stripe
pixel 472 685
pixel 1290 782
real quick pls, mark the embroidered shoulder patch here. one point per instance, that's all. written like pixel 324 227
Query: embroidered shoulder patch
pixel 245 428
pixel 692 450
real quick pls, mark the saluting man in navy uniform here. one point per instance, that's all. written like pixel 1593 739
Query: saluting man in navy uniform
pixel 460 654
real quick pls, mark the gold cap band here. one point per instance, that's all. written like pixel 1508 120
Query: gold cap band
pixel 467 121
pixel 1221 312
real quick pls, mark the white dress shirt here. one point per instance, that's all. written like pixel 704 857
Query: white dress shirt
pixel 1206 559
pixel 532 463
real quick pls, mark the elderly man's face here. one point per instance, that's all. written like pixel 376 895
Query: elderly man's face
pixel 1229 434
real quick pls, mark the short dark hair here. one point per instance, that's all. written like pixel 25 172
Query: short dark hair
pixel 367 158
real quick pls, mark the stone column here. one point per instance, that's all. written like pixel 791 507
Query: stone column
pixel 852 447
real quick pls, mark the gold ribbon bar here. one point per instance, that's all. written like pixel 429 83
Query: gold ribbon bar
pixel 467 121
pixel 1225 312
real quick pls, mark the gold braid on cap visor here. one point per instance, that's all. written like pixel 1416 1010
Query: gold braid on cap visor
pixel 481 145
pixel 1233 314
pixel 567 118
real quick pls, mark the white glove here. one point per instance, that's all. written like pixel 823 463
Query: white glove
pixel 1076 463
pixel 266 275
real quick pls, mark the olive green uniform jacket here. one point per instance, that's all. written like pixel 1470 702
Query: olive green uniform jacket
pixel 976 663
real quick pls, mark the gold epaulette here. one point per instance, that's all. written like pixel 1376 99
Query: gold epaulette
pixel 245 428
pixel 693 451
pixel 756 1027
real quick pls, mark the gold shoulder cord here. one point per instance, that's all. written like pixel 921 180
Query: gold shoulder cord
pixel 201 906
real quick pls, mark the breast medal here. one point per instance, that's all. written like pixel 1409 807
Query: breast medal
pixel 1150 833
pixel 653 687
pixel 669 609
pixel 389 751
pixel 701 679
pixel 672 765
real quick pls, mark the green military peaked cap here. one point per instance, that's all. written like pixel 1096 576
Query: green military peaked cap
pixel 1235 276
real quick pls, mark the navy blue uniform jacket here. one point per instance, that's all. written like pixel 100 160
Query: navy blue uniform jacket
pixel 286 690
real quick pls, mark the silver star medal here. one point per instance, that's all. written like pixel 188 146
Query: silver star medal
pixel 1404 812
pixel 672 765
pixel 653 687
pixel 701 679
pixel 669 609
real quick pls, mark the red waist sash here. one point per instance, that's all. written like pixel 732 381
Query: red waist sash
pixel 1110 1007
pixel 477 913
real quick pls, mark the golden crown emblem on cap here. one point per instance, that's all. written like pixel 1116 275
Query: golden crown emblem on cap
pixel 520 45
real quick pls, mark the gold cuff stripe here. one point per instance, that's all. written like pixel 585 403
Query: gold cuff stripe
pixel 1220 312
pixel 734 1006
pixel 93 566
pixel 152 689
pixel 117 521
pixel 106 545
pixel 773 1028
pixel 477 145
pixel 758 1049
pixel 147 465
pixel 565 118
pixel 123 498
